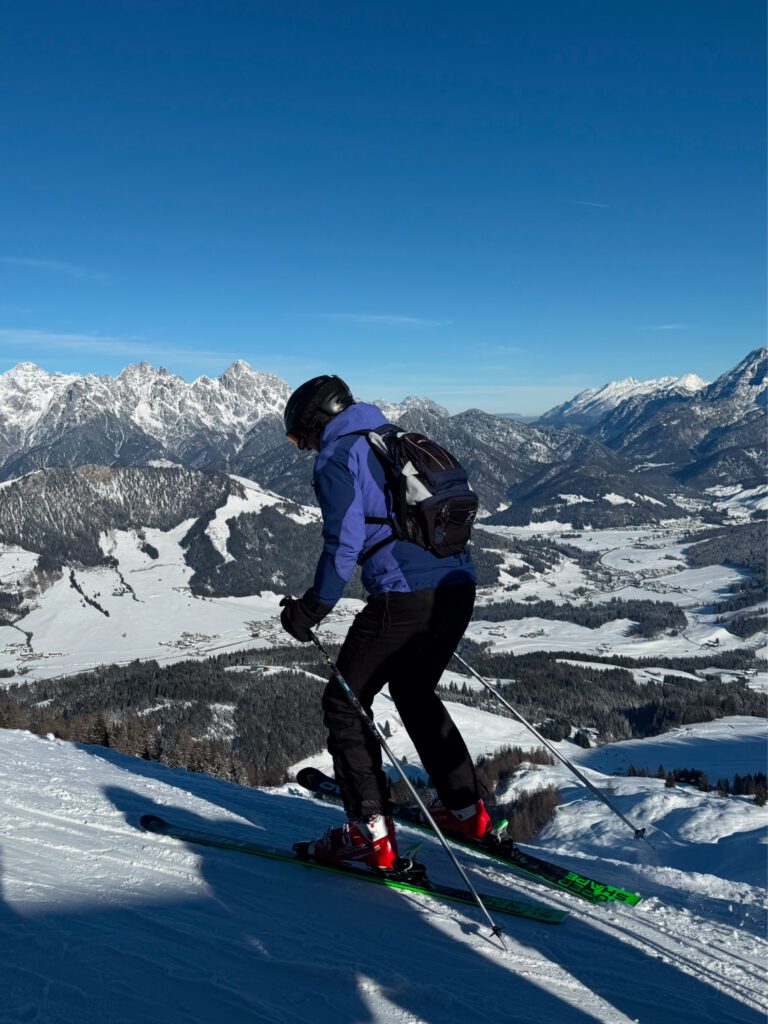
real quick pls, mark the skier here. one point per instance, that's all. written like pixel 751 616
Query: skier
pixel 418 608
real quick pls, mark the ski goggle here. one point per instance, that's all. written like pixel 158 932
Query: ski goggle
pixel 300 442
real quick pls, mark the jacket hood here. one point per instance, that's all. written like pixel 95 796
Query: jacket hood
pixel 360 416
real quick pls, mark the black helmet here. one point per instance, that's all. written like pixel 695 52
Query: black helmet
pixel 311 406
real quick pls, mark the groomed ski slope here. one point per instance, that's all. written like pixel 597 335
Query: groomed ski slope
pixel 102 922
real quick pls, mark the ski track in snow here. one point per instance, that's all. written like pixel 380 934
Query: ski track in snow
pixel 101 920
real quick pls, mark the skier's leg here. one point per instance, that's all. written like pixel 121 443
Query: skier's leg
pixel 412 684
pixel 364 662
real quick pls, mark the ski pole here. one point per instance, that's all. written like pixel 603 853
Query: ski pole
pixel 376 730
pixel 639 832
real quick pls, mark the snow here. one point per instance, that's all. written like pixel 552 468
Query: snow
pixel 99 920
pixel 158 618
pixel 595 402
pixel 575 499
pixel 533 529
pixel 15 564
pixel 617 499
pixel 640 675
pixel 255 499
pixel 722 749
pixel 739 502
pixel 536 634
pixel 164 405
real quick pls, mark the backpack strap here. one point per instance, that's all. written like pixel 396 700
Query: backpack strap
pixel 376 520
pixel 378 546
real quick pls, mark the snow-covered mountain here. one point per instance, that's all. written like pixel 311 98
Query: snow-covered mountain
pixel 147 416
pixel 395 411
pixel 588 406
pixel 704 434
pixel 231 536
pixel 142 414
pixel 645 432
pixel 716 438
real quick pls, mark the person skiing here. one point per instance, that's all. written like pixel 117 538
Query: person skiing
pixel 418 607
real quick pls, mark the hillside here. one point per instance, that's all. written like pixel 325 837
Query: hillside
pixel 99 920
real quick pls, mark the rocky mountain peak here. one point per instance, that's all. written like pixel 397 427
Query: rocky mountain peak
pixel 413 403
pixel 745 383
pixel 691 382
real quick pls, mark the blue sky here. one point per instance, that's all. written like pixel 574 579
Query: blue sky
pixel 495 204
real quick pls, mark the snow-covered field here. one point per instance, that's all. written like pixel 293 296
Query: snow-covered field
pixel 153 613
pixel 158 617
pixel 642 563
pixel 99 920
pixel 721 749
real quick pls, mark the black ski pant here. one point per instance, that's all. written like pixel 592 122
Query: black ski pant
pixel 405 640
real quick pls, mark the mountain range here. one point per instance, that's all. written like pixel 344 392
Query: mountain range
pixel 705 434
pixel 612 456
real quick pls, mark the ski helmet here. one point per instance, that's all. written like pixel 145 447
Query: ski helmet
pixel 311 406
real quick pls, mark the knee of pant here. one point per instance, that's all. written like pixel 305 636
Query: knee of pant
pixel 334 703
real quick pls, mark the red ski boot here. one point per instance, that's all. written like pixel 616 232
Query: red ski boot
pixel 370 841
pixel 471 822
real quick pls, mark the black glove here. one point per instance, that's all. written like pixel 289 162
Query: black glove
pixel 300 614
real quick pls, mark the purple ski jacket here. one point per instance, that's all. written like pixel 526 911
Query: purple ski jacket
pixel 350 484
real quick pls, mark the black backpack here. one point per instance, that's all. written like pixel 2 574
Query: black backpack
pixel 432 503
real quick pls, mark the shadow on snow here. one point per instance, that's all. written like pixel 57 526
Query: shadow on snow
pixel 349 951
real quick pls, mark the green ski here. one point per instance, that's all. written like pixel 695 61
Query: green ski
pixel 443 893
pixel 505 852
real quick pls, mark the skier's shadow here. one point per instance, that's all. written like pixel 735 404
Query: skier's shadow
pixel 421 968
pixel 338 951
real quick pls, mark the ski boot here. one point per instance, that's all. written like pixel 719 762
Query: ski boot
pixel 366 841
pixel 472 823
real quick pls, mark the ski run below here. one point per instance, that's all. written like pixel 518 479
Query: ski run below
pixel 101 921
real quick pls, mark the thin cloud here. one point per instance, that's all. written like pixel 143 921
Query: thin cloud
pixel 384 320
pixel 56 267
pixel 133 348
pixel 671 327
pixel 584 202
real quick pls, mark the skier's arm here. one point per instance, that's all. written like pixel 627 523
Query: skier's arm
pixel 341 502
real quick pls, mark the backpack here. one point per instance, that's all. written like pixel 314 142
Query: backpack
pixel 432 504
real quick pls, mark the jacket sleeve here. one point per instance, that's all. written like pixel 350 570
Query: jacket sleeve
pixel 341 503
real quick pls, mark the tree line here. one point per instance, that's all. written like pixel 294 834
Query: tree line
pixel 650 618
pixel 755 785
pixel 563 699
pixel 173 714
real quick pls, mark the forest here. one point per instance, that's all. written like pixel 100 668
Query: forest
pixel 563 699
pixel 247 716
pixel 650 618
